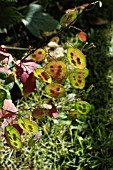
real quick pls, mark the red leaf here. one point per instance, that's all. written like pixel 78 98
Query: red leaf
pixel 8 115
pixel 17 127
pixel 82 36
pixel 29 85
pixel 53 112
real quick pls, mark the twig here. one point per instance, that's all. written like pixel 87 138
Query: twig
pixel 14 48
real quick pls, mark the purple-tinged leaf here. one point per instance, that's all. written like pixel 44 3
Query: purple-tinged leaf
pixel 24 69
pixel 9 106
pixel 4 70
pixel 17 127
pixel 4 55
pixel 53 112
pixel 29 85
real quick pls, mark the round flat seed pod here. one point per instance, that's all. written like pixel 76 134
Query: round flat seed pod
pixel 82 36
pixel 55 90
pixel 57 70
pixel 68 18
pixel 39 113
pixel 41 73
pixel 76 58
pixel 73 115
pixel 13 137
pixel 27 125
pixel 38 55
pixel 83 107
pixel 16 144
pixel 83 72
pixel 77 81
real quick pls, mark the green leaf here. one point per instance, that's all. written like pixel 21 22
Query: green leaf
pixel 3 75
pixel 36 21
pixel 3 96
pixel 3 30
pixel 73 115
pixel 8 15
pixel 10 78
pixel 44 3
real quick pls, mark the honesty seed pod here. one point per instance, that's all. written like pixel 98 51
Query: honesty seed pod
pixel 27 125
pixel 83 107
pixel 55 90
pixel 41 73
pixel 38 55
pixel 68 18
pixel 76 58
pixel 57 70
pixel 77 81
pixel 83 72
pixel 13 137
pixel 39 113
